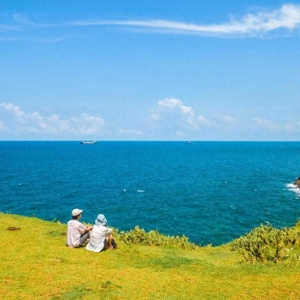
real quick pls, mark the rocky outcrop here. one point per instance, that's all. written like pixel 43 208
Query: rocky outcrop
pixel 297 182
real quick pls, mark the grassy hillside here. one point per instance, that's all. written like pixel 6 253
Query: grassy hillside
pixel 36 264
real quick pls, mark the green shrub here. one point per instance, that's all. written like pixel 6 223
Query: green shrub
pixel 152 238
pixel 266 243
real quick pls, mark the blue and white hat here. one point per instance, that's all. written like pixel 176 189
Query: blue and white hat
pixel 101 220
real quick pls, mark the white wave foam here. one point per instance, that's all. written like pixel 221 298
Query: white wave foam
pixel 140 191
pixel 292 187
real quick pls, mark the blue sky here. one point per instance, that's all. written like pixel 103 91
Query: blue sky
pixel 150 70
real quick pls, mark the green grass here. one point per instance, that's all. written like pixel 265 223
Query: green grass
pixel 36 264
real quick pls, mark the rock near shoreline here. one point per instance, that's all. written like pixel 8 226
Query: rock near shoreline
pixel 297 182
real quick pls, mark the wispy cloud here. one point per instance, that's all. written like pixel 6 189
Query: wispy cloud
pixel 10 39
pixel 203 121
pixel 271 126
pixel 284 21
pixel 227 119
pixel 6 28
pixel 84 124
pixel 7 31
pixel 2 127
pixel 286 18
pixel 265 123
pixel 130 131
pixel 53 40
pixel 25 20
pixel 28 30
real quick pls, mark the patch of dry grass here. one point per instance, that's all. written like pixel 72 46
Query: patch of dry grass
pixel 36 264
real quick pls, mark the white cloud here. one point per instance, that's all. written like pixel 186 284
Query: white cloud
pixel 154 115
pixel 5 28
pixel 52 40
pixel 3 128
pixel 173 110
pixel 130 131
pixel 288 128
pixel 33 130
pixel 15 109
pixel 90 124
pixel 266 124
pixel 226 119
pixel 260 120
pixel 180 133
pixel 173 104
pixel 287 17
pixel 270 125
pixel 7 106
pixel 204 121
pixel 21 18
pixel 36 118
pixel 85 124
pixel 57 125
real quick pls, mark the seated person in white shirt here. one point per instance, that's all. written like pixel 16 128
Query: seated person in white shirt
pixel 77 233
pixel 101 236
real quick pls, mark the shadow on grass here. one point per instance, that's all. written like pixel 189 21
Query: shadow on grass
pixel 107 290
pixel 166 262
pixel 76 293
pixel 55 233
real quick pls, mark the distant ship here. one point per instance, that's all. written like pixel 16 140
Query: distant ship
pixel 88 142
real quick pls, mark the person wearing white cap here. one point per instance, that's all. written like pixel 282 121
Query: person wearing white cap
pixel 77 233
pixel 101 236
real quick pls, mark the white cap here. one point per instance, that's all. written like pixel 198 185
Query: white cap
pixel 76 212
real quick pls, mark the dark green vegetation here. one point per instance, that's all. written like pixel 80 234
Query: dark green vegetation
pixel 266 243
pixel 138 236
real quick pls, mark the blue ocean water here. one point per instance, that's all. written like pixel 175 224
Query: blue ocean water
pixel 212 192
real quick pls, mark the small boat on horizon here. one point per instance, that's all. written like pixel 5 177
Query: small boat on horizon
pixel 88 142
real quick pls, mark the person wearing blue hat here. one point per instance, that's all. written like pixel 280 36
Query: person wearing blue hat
pixel 101 236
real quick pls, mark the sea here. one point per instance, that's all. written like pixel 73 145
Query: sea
pixel 211 192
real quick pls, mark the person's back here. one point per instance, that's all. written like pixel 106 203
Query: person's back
pixel 100 237
pixel 74 233
pixel 77 233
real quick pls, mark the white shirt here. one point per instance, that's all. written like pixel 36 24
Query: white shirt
pixel 75 229
pixel 97 237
